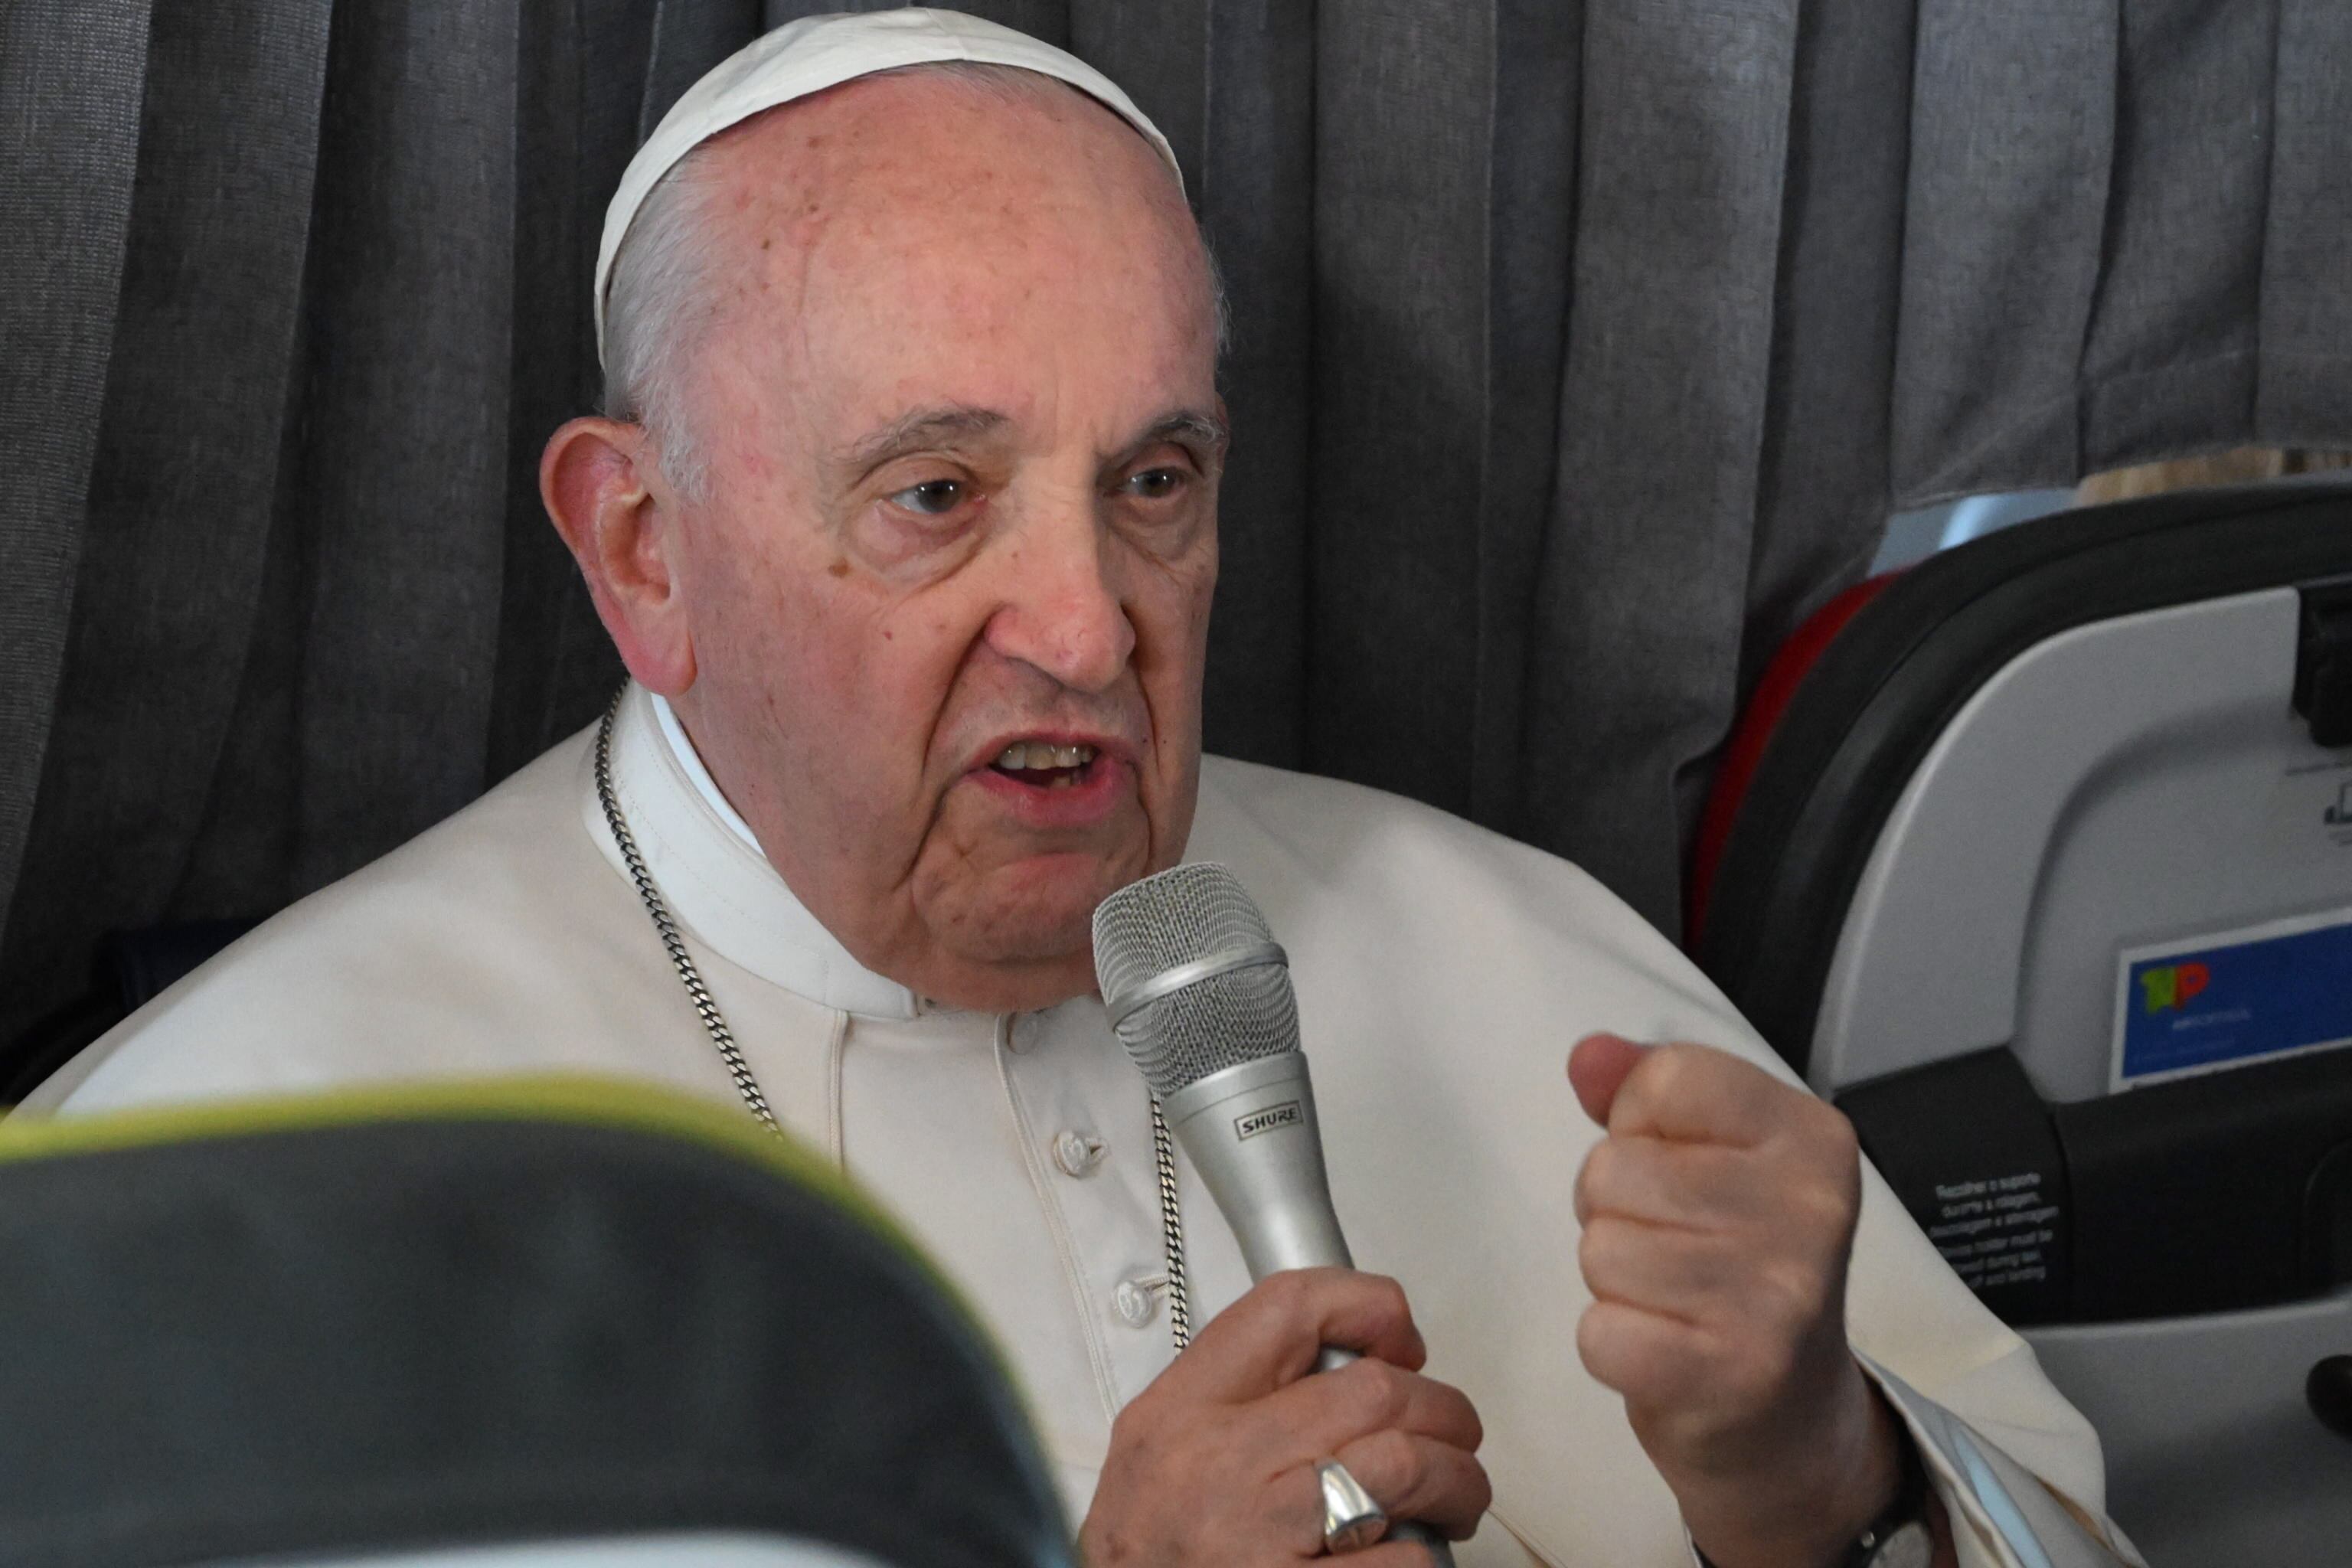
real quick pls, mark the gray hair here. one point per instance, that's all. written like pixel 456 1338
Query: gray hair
pixel 659 300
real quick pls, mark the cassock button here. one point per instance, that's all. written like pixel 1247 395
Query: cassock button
pixel 1136 1302
pixel 1076 1152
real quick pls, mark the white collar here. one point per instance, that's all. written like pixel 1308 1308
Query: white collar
pixel 707 863
pixel 681 746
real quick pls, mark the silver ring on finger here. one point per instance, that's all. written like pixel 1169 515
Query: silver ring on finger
pixel 1352 1519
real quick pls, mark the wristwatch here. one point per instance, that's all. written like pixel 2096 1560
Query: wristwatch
pixel 1900 1536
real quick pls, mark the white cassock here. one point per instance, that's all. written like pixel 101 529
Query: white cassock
pixel 1442 970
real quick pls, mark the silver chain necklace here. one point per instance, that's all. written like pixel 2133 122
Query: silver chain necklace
pixel 747 1084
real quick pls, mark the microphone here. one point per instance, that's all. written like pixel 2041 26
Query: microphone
pixel 1200 994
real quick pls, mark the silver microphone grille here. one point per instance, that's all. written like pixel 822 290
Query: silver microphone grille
pixel 1196 918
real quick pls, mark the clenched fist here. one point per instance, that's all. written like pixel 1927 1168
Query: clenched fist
pixel 1214 1463
pixel 1717 1216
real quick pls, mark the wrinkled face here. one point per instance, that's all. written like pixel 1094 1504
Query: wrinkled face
pixel 947 583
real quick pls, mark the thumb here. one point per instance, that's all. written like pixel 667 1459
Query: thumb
pixel 1597 1070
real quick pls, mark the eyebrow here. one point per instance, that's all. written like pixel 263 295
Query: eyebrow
pixel 911 432
pixel 947 424
pixel 1193 424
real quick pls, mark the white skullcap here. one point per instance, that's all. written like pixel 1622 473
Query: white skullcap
pixel 818 52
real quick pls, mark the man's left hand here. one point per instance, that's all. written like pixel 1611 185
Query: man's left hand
pixel 1717 1217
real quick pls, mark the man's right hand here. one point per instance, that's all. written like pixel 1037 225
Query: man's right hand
pixel 1214 1463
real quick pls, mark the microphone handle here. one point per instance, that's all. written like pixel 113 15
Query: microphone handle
pixel 1252 1133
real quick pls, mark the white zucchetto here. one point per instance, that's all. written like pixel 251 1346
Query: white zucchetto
pixel 818 52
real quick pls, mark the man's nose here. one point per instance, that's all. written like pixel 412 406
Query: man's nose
pixel 1062 610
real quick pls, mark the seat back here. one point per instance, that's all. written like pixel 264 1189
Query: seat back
pixel 578 1320
pixel 2044 875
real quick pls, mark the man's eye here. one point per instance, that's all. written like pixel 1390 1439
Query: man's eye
pixel 932 498
pixel 1155 484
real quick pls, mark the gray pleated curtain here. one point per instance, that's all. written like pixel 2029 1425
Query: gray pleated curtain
pixel 1579 350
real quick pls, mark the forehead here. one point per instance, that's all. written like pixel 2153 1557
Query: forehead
pixel 907 227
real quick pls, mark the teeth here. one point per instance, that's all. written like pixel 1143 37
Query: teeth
pixel 1022 755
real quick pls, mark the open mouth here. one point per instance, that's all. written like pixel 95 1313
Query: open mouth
pixel 1042 766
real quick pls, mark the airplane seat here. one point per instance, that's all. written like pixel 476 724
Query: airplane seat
pixel 2036 859
pixel 1744 752
pixel 545 1324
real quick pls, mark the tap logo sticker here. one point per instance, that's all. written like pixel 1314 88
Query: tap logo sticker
pixel 2232 998
pixel 2172 987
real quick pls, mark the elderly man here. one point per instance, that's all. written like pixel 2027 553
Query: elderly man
pixel 905 523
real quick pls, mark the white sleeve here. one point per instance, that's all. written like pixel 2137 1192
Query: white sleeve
pixel 2001 1514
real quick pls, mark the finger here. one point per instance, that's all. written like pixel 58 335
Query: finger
pixel 1700 1095
pixel 1420 1479
pixel 1660 1269
pixel 1393 1554
pixel 1303 1485
pixel 1270 1338
pixel 1596 1070
pixel 1698 1186
pixel 1321 1415
pixel 1650 1360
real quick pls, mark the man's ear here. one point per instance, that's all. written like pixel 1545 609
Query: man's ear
pixel 619 523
